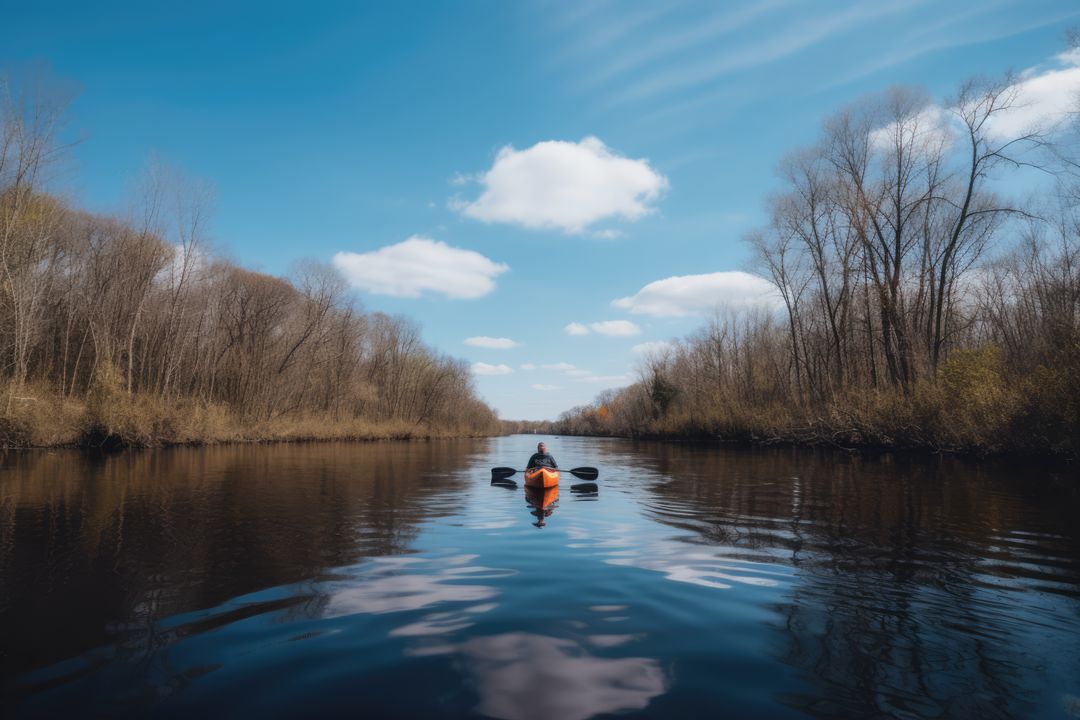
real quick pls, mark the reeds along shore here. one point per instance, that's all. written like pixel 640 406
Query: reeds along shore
pixel 129 330
pixel 916 306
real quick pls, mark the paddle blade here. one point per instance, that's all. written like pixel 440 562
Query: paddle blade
pixel 585 473
pixel 502 472
pixel 585 487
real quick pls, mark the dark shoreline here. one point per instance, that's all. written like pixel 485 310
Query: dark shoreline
pixel 748 441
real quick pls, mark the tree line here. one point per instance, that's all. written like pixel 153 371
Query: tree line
pixel 131 329
pixel 916 304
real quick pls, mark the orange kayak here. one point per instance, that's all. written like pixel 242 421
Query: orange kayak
pixel 542 477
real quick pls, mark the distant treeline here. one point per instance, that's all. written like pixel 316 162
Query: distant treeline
pixel 917 307
pixel 130 330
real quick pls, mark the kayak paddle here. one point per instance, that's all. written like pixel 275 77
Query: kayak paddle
pixel 585 473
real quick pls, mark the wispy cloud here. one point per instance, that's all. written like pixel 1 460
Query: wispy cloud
pixel 581 375
pixel 491 343
pixel 954 31
pixel 798 35
pixel 652 347
pixel 663 45
pixel 604 34
pixel 611 328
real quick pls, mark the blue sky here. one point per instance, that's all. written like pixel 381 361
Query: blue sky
pixel 495 169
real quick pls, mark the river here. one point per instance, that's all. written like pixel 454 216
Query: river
pixel 394 580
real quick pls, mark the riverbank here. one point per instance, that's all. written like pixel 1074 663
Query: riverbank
pixel 143 421
pixel 949 415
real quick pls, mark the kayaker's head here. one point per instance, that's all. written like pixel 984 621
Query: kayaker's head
pixel 541 448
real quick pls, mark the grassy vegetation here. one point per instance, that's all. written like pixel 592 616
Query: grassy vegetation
pixel 40 418
pixel 974 403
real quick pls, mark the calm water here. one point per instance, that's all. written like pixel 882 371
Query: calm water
pixel 368 580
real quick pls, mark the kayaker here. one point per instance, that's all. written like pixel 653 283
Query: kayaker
pixel 541 458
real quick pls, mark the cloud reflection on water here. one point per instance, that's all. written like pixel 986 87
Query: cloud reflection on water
pixel 410 583
pixel 710 567
pixel 522 676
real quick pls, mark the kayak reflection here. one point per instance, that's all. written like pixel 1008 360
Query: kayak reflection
pixel 543 502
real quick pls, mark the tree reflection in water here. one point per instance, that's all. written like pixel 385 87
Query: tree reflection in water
pixel 139 536
pixel 920 588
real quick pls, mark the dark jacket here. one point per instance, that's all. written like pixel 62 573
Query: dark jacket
pixel 541 460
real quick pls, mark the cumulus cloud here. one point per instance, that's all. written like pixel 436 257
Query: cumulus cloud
pixel 615 328
pixel 491 343
pixel 576 328
pixel 653 347
pixel 528 366
pixel 420 265
pixel 542 386
pixel 1045 100
pixel 686 295
pixel 564 185
pixel 560 367
pixel 483 368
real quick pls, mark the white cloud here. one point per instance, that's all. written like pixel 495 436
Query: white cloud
pixel 575 328
pixel 1069 57
pixel 615 328
pixel 608 234
pixel 580 375
pixel 652 347
pixel 418 265
pixel 541 386
pixel 928 130
pixel 685 295
pixel 612 328
pixel 564 185
pixel 528 366
pixel 1044 101
pixel 483 368
pixel 492 343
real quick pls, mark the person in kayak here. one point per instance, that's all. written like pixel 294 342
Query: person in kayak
pixel 541 458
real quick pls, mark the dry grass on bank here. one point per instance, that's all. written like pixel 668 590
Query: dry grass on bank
pixel 38 418
pixel 972 404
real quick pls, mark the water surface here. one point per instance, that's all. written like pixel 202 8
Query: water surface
pixel 393 580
